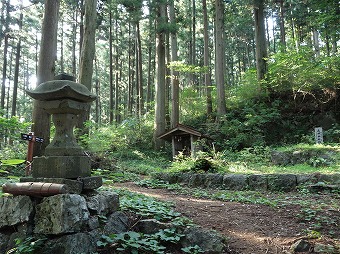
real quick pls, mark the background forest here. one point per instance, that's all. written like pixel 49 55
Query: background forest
pixel 248 74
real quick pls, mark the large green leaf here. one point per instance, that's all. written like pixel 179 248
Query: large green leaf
pixel 12 162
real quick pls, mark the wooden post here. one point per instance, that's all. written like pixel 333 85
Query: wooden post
pixel 29 158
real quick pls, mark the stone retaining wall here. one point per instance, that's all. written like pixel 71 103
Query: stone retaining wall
pixel 266 182
pixel 70 222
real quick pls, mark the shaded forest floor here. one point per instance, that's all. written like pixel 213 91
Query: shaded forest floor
pixel 258 229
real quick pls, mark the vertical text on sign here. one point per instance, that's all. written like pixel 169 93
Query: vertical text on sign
pixel 318 135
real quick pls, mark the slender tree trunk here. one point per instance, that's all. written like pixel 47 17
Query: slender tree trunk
pixel 117 68
pixel 260 38
pixel 74 43
pixel 62 49
pixel 4 73
pixel 174 73
pixel 160 76
pixel 193 48
pixel 167 79
pixel 316 42
pixel 334 44
pixel 87 54
pixel 150 65
pixel 207 74
pixel 45 72
pixel 81 25
pixel 140 72
pixel 5 50
pixel 16 71
pixel 220 57
pixel 282 25
pixel 130 92
pixel 111 68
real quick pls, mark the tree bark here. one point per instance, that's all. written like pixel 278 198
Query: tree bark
pixel 220 57
pixel 46 67
pixel 282 25
pixel 260 39
pixel 16 71
pixel 174 73
pixel 111 68
pixel 87 54
pixel 4 65
pixel 207 74
pixel 160 77
pixel 140 71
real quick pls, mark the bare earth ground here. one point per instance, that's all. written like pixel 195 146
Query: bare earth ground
pixel 250 228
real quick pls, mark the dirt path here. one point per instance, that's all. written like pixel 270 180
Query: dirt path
pixel 251 229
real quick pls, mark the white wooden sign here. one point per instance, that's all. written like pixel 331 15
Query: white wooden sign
pixel 318 135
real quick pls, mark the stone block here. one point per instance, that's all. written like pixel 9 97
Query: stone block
pixel 71 244
pixel 196 180
pixel 282 182
pixel 213 181
pixel 60 214
pixel 102 203
pixel 61 167
pixel 257 182
pixel 209 241
pixel 151 226
pixel 331 179
pixel 15 210
pixel 4 239
pixel 116 223
pixel 73 186
pixel 305 178
pixel 235 182
pixel 184 178
pixel 91 182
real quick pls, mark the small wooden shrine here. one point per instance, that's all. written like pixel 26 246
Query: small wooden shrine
pixel 183 139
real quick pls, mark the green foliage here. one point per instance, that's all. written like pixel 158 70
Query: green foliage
pixel 12 128
pixel 147 206
pixel 187 68
pixel 134 242
pixel 192 249
pixel 12 162
pixel 132 132
pixel 301 71
pixel 27 245
pixel 116 175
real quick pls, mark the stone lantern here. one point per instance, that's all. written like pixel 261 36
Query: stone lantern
pixel 63 158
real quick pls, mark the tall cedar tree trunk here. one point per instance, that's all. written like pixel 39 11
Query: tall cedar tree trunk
pixel 193 48
pixel 5 50
pixel 220 57
pixel 174 73
pixel 167 79
pixel 87 54
pixel 150 65
pixel 160 76
pixel 282 25
pixel 260 39
pixel 46 67
pixel 129 93
pixel 139 71
pixel 74 44
pixel 316 44
pixel 16 71
pixel 111 67
pixel 117 68
pixel 207 75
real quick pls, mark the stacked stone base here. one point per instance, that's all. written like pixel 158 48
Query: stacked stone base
pixel 264 182
pixel 74 186
pixel 70 223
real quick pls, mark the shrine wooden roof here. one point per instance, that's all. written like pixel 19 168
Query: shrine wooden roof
pixel 180 130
